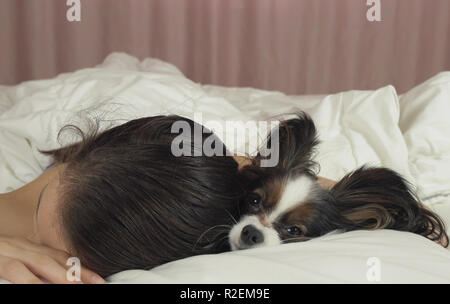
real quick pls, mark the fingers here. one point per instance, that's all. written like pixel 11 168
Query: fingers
pixel 62 257
pixel 16 272
pixel 88 276
pixel 25 244
pixel 54 261
pixel 41 265
pixel 46 267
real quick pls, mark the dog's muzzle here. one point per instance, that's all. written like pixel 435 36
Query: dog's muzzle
pixel 250 236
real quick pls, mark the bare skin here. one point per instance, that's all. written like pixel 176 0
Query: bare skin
pixel 19 206
pixel 32 249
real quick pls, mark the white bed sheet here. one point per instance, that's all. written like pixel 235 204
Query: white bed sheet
pixel 397 257
pixel 356 128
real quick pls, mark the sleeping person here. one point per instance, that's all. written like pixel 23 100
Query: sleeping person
pixel 118 200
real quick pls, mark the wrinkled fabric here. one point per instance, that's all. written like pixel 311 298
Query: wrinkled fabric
pixel 410 134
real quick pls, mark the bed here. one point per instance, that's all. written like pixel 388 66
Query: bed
pixel 408 133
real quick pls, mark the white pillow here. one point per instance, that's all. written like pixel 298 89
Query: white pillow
pixel 382 256
pixel 355 127
pixel 425 123
pixel 358 128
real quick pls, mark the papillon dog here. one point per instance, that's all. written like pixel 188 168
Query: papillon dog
pixel 286 204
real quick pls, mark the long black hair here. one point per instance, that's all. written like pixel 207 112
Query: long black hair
pixel 128 203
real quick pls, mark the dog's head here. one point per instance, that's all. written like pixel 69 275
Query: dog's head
pixel 285 203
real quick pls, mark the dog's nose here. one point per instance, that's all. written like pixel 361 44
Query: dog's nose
pixel 250 235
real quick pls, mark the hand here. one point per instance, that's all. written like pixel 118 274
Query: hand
pixel 24 262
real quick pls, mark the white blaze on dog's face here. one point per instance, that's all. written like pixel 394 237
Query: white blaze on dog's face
pixel 277 211
pixel 286 203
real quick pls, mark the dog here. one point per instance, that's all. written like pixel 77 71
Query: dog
pixel 286 204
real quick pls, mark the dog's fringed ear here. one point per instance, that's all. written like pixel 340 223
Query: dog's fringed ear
pixel 294 140
pixel 379 198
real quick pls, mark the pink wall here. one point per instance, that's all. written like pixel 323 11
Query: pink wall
pixel 295 46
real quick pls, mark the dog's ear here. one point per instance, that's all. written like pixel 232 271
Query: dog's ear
pixel 295 140
pixel 379 198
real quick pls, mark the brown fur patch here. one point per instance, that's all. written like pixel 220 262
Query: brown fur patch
pixel 372 212
pixel 271 193
pixel 303 213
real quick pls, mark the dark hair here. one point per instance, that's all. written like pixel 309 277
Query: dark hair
pixel 380 198
pixel 129 203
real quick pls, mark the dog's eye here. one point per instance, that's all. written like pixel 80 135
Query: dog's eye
pixel 254 200
pixel 294 230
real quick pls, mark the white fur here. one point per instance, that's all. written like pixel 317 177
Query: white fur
pixel 294 194
pixel 271 237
